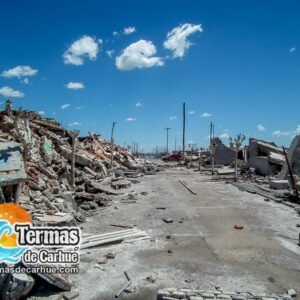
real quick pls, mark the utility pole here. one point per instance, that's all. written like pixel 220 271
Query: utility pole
pixel 168 128
pixel 183 134
pixel 175 144
pixel 212 147
pixel 210 134
pixel 74 134
pixel 112 143
pixel 199 153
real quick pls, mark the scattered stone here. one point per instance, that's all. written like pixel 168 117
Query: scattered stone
pixel 279 184
pixel 178 295
pixel 130 290
pixel 121 184
pixel 151 279
pixel 119 173
pixel 168 237
pixel 170 251
pixel 238 226
pixel 17 286
pixel 207 295
pixel 163 293
pixel 223 296
pixel 110 255
pixel 71 295
pixel 168 220
pixel 56 279
pixel 292 292
pixel 238 297
pixel 102 260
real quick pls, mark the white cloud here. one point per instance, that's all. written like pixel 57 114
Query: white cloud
pixel 19 71
pixel 172 118
pixel 26 80
pixel 86 46
pixel 192 112
pixel 138 55
pixel 110 53
pixel 129 30
pixel 224 135
pixel 177 39
pixel 74 85
pixel 292 133
pixel 115 33
pixel 74 124
pixel 278 133
pixel 41 112
pixel 260 128
pixel 9 92
pixel 206 115
pixel 293 49
pixel 130 119
pixel 64 106
pixel 138 104
pixel 78 107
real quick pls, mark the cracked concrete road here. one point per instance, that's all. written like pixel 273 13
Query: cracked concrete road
pixel 206 250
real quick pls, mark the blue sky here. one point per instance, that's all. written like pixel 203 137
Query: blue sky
pixel 235 63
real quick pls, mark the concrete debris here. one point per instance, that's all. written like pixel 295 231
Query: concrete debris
pixel 238 226
pixel 36 172
pixel 110 255
pixel 168 220
pixel 294 160
pixel 225 171
pixel 71 295
pixel 121 184
pixel 265 157
pixel 17 286
pixel 39 151
pixel 279 184
pixel 200 294
pixel 292 293
pixel 223 154
pixel 55 279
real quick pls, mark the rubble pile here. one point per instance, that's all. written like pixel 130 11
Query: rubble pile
pixel 265 157
pixel 45 151
pixel 217 293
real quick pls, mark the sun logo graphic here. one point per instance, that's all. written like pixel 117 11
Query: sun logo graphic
pixel 10 214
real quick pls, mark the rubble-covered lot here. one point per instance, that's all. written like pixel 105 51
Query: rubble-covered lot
pixel 58 181
pixel 193 243
pixel 47 148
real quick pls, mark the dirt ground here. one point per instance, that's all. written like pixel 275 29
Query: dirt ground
pixel 206 250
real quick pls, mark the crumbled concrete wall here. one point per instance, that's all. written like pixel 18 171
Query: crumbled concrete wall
pixel 294 159
pixel 223 155
pixel 265 157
